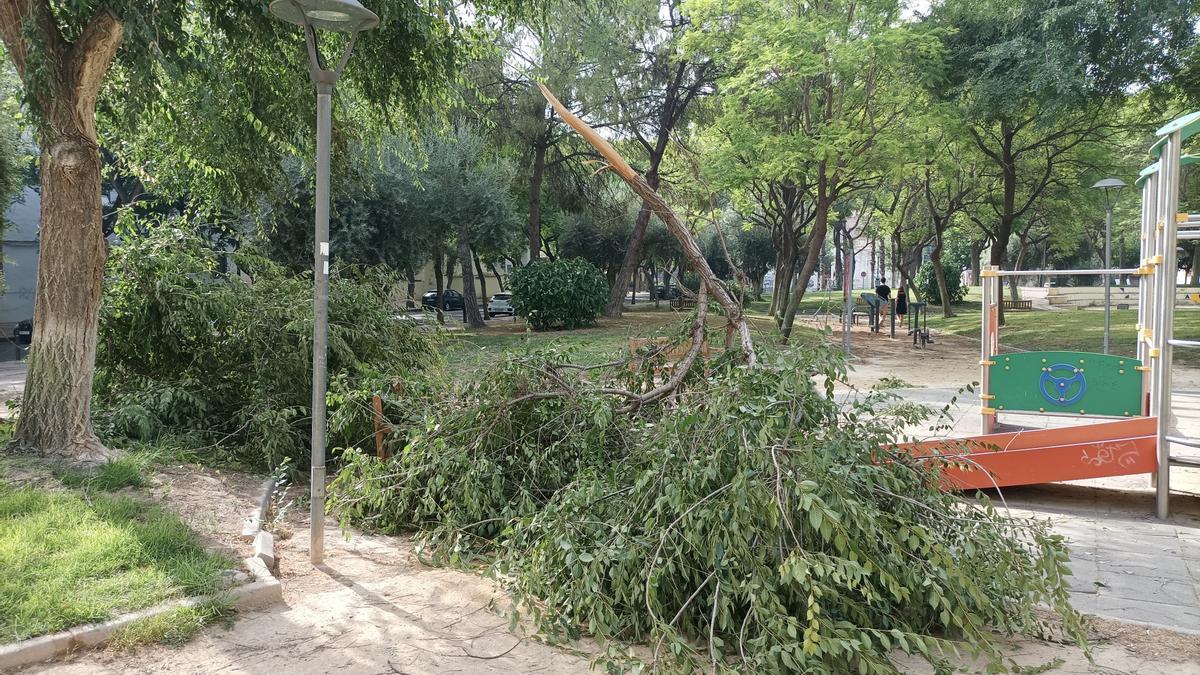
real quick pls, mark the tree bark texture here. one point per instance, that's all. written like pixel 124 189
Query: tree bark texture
pixel 939 273
pixel 471 315
pixel 440 286
pixel 483 294
pixel 633 252
pixel 816 242
pixel 56 411
pixel 535 199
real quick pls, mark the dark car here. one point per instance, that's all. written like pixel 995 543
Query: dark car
pixel 667 292
pixel 451 300
pixel 23 333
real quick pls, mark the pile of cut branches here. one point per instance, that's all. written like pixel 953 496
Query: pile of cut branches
pixel 749 521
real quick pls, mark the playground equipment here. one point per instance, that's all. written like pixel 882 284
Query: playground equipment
pixel 875 306
pixel 1079 384
pixel 918 323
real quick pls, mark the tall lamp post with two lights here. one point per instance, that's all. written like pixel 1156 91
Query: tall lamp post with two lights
pixel 1112 189
pixel 341 16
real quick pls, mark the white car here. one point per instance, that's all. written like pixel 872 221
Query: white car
pixel 501 303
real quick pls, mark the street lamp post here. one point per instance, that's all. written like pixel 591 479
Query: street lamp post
pixel 342 16
pixel 1112 189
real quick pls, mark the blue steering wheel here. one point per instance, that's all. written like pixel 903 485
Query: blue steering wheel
pixel 1062 390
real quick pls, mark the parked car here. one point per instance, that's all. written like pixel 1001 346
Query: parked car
pixel 451 300
pixel 501 303
pixel 23 333
pixel 667 292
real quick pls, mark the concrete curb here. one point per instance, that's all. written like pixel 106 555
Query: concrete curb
pixel 1143 624
pixel 254 523
pixel 263 591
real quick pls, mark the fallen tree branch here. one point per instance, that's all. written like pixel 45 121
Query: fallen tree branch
pixel 658 206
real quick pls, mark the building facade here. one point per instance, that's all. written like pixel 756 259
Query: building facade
pixel 20 259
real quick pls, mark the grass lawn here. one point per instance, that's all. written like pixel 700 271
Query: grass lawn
pixel 1069 330
pixel 74 556
pixel 606 341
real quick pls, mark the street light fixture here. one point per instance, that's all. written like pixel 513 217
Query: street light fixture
pixel 341 16
pixel 1112 190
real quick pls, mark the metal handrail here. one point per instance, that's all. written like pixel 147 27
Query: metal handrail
pixel 1189 442
pixel 1055 273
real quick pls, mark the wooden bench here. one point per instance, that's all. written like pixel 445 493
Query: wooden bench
pixel 683 303
pixel 1017 305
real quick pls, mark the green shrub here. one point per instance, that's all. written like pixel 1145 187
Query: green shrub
pixel 927 284
pixel 753 520
pixel 186 351
pixel 563 294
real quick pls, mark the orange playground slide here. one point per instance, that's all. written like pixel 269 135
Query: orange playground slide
pixel 1120 448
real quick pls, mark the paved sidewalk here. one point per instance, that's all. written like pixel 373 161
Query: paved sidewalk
pixel 1125 563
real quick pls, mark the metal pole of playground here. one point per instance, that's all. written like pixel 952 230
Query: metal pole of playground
pixel 1112 189
pixel 341 16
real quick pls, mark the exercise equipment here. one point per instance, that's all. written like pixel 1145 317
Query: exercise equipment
pixel 1080 384
pixel 918 323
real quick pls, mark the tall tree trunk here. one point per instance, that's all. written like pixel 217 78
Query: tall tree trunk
pixel 976 251
pixel 440 286
pixel 904 269
pixel 499 279
pixel 483 294
pixel 816 242
pixel 939 273
pixel 1008 170
pixel 56 412
pixel 471 315
pixel 1014 282
pixel 653 285
pixel 1194 277
pixel 633 252
pixel 874 258
pixel 838 272
pixel 411 301
pixel 450 263
pixel 784 277
pixel 775 285
pixel 535 199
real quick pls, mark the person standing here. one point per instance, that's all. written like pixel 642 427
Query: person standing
pixel 901 304
pixel 885 294
pixel 883 290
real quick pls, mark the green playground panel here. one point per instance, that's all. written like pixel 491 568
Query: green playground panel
pixel 1076 383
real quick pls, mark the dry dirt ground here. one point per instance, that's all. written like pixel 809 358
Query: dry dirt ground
pixel 373 608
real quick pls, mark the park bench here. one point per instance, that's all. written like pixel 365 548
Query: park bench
pixel 683 303
pixel 1017 305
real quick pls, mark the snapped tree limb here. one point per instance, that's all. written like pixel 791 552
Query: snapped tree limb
pixel 658 205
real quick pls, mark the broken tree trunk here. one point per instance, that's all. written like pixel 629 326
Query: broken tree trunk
pixel 658 205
